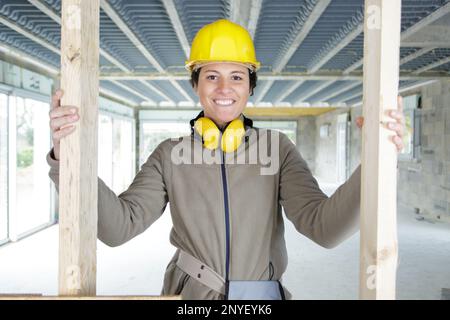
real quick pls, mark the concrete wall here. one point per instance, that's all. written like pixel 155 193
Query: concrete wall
pixel 423 183
pixel 326 157
pixel 306 144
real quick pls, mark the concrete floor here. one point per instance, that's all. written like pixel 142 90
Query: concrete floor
pixel 137 267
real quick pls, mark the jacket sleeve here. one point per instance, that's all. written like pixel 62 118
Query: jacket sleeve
pixel 120 218
pixel 326 220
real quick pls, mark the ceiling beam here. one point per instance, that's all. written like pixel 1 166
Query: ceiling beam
pixel 335 93
pixel 255 10
pixel 340 45
pixel 432 65
pixel 315 14
pixel 289 90
pixel 415 55
pixel 29 35
pixel 51 14
pixel 240 12
pixel 106 7
pixel 426 44
pixel 432 17
pixel 264 89
pixel 26 58
pixel 289 112
pixel 312 92
pixel 282 61
pixel 136 93
pixel 177 25
pixel 406 88
pixel 294 76
pixel 439 13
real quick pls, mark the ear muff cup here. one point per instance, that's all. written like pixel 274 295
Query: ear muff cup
pixel 229 141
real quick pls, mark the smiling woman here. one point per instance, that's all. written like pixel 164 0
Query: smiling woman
pixel 223 90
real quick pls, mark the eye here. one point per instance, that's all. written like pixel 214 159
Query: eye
pixel 211 77
pixel 236 77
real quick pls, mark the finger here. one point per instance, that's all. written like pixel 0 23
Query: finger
pixel 63 111
pixel 400 104
pixel 60 122
pixel 397 141
pixel 58 135
pixel 56 99
pixel 395 126
pixel 359 122
pixel 397 115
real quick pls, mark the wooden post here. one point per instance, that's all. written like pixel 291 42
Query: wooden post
pixel 379 249
pixel 78 164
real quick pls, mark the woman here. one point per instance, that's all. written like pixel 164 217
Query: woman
pixel 228 226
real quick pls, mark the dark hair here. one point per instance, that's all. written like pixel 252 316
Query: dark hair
pixel 252 76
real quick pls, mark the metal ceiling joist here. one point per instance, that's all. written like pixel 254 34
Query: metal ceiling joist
pixel 136 93
pixel 317 89
pixel 415 55
pixel 26 58
pixel 432 65
pixel 341 44
pixel 315 14
pixel 293 76
pixel 266 87
pixel 432 17
pixel 29 35
pixel 406 88
pixel 348 87
pixel 177 25
pixel 51 14
pixel 139 45
pixel 439 13
pixel 255 9
pixel 289 90
pixel 239 12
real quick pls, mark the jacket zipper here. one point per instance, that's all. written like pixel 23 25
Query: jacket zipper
pixel 227 225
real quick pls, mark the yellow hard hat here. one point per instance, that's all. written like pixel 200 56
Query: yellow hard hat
pixel 222 41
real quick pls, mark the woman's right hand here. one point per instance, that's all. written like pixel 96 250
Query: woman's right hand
pixel 62 119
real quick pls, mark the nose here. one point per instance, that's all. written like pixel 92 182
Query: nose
pixel 224 86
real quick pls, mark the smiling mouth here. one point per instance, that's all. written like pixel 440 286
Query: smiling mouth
pixel 224 102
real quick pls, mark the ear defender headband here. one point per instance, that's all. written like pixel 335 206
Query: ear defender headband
pixel 229 140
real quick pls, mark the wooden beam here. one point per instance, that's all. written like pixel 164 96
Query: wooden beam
pixel 290 112
pixel 78 163
pixel 379 248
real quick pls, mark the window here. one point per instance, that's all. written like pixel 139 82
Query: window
pixel 116 151
pixel 3 167
pixel 411 137
pixel 29 186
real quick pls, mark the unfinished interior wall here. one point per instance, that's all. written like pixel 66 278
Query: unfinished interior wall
pixel 326 146
pixel 423 183
pixel 306 135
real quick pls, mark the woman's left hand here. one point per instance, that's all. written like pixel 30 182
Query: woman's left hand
pixel 398 126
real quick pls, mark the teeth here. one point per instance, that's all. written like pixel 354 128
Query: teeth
pixel 224 102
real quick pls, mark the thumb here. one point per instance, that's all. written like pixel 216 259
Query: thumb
pixel 359 122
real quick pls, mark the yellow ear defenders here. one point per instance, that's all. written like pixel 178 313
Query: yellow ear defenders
pixel 230 139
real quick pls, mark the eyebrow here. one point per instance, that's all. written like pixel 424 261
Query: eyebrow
pixel 236 71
